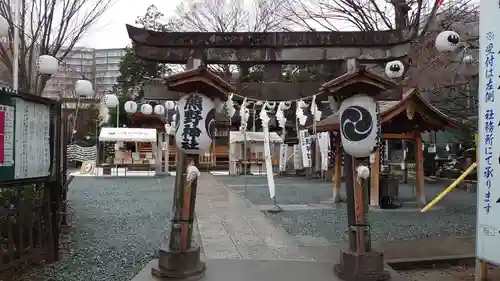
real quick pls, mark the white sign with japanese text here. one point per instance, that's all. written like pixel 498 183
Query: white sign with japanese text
pixel 488 193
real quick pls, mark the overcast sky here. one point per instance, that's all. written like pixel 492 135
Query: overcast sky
pixel 110 32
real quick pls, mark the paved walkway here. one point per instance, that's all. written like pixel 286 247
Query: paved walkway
pixel 238 240
pixel 231 229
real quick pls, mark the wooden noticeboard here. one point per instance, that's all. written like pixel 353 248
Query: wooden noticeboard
pixel 25 144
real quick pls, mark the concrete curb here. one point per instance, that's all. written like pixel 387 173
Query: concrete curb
pixel 431 262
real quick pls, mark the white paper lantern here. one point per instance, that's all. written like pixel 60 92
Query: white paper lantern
pixel 394 69
pixel 47 64
pixel 83 88
pixel 195 127
pixel 130 107
pixel 359 125
pixel 111 101
pixel 447 41
pixel 4 27
pixel 169 105
pixel 468 59
pixel 159 109
pixel 146 109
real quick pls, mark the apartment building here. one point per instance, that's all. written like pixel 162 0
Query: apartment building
pixel 100 66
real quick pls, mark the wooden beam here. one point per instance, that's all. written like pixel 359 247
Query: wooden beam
pixel 388 136
pixel 374 179
pixel 337 170
pixel 419 175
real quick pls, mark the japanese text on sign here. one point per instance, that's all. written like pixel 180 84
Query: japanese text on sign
pixel 192 117
pixel 489 117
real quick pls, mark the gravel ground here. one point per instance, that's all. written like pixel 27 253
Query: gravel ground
pixel 117 227
pixel 455 214
pixel 455 273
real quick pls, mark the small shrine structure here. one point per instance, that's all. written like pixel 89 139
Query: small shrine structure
pixel 405 119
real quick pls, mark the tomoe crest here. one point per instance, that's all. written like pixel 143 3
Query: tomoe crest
pixel 357 123
pixel 210 123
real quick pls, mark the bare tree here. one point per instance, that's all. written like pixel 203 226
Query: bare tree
pixel 47 27
pixel 228 16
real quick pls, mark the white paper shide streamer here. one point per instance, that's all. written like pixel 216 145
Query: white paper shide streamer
pixel 299 112
pixel 244 114
pixel 283 156
pixel 315 111
pixel 267 151
pixel 305 146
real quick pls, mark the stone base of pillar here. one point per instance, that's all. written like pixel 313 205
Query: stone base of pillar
pixel 361 267
pixel 177 265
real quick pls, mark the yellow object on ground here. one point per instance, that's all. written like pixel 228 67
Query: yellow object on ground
pixel 449 188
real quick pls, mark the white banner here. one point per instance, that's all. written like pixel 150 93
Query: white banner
pixel 307 153
pixel 306 160
pixel 297 157
pixel 269 164
pixel 283 156
pixel 324 148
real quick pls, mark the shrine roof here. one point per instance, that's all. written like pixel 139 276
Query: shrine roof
pixel 361 80
pixel 200 80
pixel 411 103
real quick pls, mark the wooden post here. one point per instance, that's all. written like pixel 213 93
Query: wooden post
pixel 337 170
pixel 374 179
pixel 419 171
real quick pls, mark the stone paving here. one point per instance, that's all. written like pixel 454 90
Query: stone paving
pixel 231 229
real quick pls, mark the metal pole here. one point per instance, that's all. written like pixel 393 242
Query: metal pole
pixel 167 158
pixel 118 115
pixel 15 59
pixel 245 153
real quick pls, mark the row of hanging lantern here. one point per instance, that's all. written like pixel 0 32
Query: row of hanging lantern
pixel 132 107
